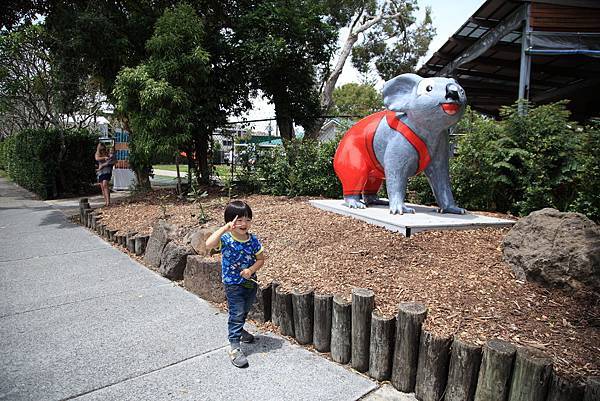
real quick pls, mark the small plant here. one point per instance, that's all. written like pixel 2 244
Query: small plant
pixel 195 196
pixel 163 205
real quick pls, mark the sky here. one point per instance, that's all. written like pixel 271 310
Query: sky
pixel 448 16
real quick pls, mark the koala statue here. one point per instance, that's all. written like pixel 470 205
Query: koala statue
pixel 409 137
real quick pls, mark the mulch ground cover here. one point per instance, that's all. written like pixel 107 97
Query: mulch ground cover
pixel 459 275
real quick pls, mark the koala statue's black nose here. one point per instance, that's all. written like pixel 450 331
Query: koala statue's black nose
pixel 452 91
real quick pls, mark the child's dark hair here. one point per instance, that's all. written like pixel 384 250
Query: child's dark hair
pixel 237 208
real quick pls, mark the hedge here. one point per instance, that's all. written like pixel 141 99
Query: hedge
pixel 32 159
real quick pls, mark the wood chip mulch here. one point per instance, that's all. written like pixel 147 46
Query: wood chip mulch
pixel 459 275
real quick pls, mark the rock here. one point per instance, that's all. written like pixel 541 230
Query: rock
pixel 173 260
pixel 556 249
pixel 161 234
pixel 202 276
pixel 198 240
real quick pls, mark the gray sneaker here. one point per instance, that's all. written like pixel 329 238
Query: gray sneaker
pixel 238 358
pixel 246 337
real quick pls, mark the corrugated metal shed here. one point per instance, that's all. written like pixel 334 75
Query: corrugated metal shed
pixel 561 54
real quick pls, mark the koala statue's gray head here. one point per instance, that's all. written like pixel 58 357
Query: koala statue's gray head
pixel 430 102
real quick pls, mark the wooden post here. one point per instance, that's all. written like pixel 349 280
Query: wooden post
pixel 261 310
pixel 493 383
pixel 285 310
pixel 381 350
pixel 432 370
pixel 303 309
pixel 140 244
pixel 131 243
pixel 341 330
pixel 274 305
pixel 406 350
pixel 363 302
pixel 322 326
pixel 592 389
pixel 531 376
pixel 86 217
pixel 465 359
pixel 562 389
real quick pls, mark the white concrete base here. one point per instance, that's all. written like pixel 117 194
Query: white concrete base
pixel 426 218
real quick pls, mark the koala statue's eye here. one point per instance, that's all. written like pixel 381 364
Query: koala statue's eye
pixel 429 88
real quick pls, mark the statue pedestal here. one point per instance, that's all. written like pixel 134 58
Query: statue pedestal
pixel 425 219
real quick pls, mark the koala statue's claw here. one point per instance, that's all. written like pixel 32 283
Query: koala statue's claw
pixel 401 209
pixel 452 210
pixel 354 204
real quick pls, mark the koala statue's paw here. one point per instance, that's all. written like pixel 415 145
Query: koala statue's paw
pixel 453 210
pixel 401 209
pixel 407 209
pixel 354 204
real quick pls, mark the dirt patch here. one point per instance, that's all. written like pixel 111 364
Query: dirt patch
pixel 459 275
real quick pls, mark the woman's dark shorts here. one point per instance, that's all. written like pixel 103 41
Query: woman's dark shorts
pixel 104 177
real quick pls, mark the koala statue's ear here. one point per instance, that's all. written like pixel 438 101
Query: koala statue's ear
pixel 397 92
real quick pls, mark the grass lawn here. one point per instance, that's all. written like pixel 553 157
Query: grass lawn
pixel 171 167
pixel 223 171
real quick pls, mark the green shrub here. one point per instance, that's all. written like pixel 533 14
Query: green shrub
pixel 550 144
pixel 527 162
pixel 486 169
pixel 303 168
pixel 588 182
pixel 32 159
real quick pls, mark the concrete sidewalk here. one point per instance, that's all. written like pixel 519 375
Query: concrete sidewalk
pixel 81 320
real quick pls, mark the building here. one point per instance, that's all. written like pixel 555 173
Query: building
pixel 539 50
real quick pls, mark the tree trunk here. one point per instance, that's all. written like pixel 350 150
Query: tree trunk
pixel 201 154
pixel 327 93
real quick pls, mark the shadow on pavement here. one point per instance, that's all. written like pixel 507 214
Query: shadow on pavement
pixel 262 344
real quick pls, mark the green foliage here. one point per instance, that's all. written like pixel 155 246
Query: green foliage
pixel 588 195
pixel 31 159
pixel 286 44
pixel 527 162
pixel 395 45
pixel 357 100
pixel 549 166
pixel 302 168
pixel 419 191
pixel 485 172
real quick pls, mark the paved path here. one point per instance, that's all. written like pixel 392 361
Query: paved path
pixel 81 320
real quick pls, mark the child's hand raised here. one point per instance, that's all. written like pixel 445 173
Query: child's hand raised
pixel 231 225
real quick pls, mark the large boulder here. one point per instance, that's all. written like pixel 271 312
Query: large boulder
pixel 556 249
pixel 198 240
pixel 173 260
pixel 161 235
pixel 202 276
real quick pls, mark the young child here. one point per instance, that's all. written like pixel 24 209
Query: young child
pixel 242 256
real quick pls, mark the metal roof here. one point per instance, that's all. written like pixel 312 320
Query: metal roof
pixel 492 79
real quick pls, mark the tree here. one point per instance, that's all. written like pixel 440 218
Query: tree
pixel 99 38
pixel 356 100
pixel 29 86
pixel 162 96
pixel 391 41
pixel 286 44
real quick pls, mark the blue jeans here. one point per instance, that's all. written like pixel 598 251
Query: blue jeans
pixel 239 302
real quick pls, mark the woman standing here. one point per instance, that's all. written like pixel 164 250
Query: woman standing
pixel 104 171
